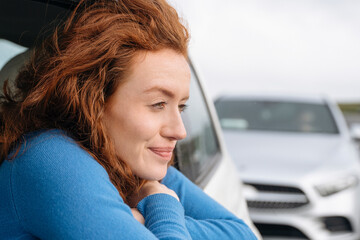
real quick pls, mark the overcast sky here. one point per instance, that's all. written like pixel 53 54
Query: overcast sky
pixel 305 46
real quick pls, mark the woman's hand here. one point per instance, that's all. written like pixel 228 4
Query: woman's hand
pixel 154 187
pixel 150 188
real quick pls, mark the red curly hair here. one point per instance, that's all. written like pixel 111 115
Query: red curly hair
pixel 71 75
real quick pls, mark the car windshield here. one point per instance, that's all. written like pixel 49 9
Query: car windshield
pixel 276 116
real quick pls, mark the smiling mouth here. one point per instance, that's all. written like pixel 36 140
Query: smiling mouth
pixel 164 153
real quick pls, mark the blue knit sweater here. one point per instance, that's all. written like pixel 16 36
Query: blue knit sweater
pixel 54 189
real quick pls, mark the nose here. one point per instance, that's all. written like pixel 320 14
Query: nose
pixel 174 128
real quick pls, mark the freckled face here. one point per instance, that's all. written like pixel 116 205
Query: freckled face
pixel 143 116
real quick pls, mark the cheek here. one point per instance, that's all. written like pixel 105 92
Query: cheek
pixel 131 126
pixel 143 126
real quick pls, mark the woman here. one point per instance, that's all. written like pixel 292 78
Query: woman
pixel 90 130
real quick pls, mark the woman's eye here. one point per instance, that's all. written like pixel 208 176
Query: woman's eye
pixel 159 105
pixel 182 107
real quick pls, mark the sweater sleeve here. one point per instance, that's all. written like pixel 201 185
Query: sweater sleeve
pixel 160 210
pixel 205 218
pixel 60 192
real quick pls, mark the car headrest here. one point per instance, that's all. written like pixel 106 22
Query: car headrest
pixel 11 69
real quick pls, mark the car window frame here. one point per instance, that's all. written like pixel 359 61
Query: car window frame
pixel 205 175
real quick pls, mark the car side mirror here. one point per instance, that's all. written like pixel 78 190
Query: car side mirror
pixel 355 131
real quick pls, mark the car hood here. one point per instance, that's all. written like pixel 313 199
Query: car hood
pixel 262 155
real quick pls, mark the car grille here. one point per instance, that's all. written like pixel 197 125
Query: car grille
pixel 280 231
pixel 263 196
pixel 337 224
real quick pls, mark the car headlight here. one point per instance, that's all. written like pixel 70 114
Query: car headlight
pixel 339 185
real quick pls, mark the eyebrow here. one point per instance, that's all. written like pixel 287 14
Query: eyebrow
pixel 163 91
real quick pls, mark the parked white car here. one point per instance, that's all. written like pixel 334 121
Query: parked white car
pixel 299 165
pixel 201 156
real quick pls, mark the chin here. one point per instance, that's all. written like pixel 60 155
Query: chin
pixel 154 174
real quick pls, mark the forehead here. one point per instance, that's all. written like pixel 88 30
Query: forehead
pixel 161 69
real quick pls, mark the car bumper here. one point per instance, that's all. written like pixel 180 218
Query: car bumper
pixel 332 218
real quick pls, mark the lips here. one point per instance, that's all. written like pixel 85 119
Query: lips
pixel 163 152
